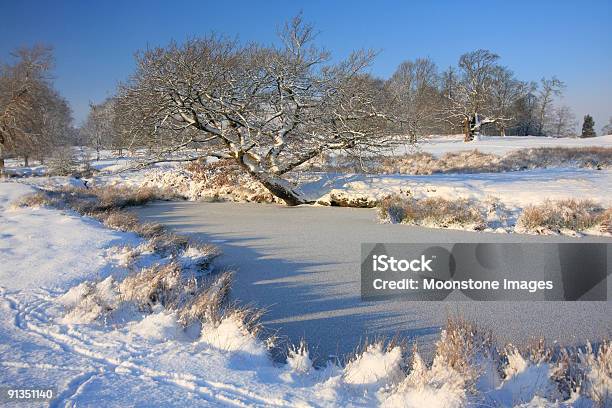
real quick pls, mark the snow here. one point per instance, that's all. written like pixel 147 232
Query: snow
pixel 375 366
pixel 518 189
pixel 501 145
pixel 159 327
pixel 49 245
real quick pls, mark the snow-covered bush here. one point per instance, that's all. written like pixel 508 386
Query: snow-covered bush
pixel 64 162
pixel 570 214
pixel 432 211
pixel 544 157
pixel 119 220
pixel 159 327
pixel 90 301
pixel 208 302
pixel 94 200
pixel 596 366
pixel 234 332
pixel 298 359
pixel 161 284
pixel 436 387
pixel 220 180
pixel 35 200
pixel 472 161
pixel 376 365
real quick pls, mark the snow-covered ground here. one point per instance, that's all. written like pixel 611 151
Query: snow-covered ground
pixel 142 359
pixel 515 189
pixel 502 145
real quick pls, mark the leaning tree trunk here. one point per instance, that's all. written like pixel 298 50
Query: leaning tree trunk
pixel 277 186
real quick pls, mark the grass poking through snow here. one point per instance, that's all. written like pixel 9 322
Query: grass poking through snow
pixel 556 216
pixel 432 211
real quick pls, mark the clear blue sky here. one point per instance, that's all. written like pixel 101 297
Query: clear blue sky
pixel 94 41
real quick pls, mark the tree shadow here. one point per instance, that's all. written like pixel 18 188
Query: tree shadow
pixel 301 298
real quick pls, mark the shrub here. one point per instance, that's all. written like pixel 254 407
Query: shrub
pixel 161 284
pixel 208 303
pixel 119 220
pixel 94 200
pixel 554 216
pixel 34 200
pixel 64 162
pixel 221 180
pixel 543 157
pixel 431 211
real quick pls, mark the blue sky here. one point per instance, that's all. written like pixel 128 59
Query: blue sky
pixel 94 41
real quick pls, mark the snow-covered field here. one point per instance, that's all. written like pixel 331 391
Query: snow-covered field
pixel 502 145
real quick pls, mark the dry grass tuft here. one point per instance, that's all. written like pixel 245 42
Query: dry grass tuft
pixel 34 200
pixel 208 303
pixel 158 284
pixel 544 157
pixel 94 200
pixel 472 161
pixel 575 215
pixel 461 343
pixel 432 211
pixel 119 220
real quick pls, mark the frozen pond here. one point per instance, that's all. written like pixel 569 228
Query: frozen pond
pixel 302 264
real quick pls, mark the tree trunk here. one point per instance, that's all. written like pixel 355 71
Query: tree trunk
pixel 26 161
pixel 277 186
pixel 280 188
pixel 467 130
pixel 1 161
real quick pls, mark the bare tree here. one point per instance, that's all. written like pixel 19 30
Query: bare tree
pixel 468 94
pixel 268 108
pixel 98 129
pixel 505 91
pixel 414 86
pixel 524 111
pixel 33 117
pixel 607 129
pixel 549 89
pixel 562 122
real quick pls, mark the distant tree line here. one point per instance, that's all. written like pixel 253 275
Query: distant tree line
pixel 477 95
pixel 34 118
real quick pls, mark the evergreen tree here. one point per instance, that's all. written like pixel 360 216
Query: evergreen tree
pixel 588 127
